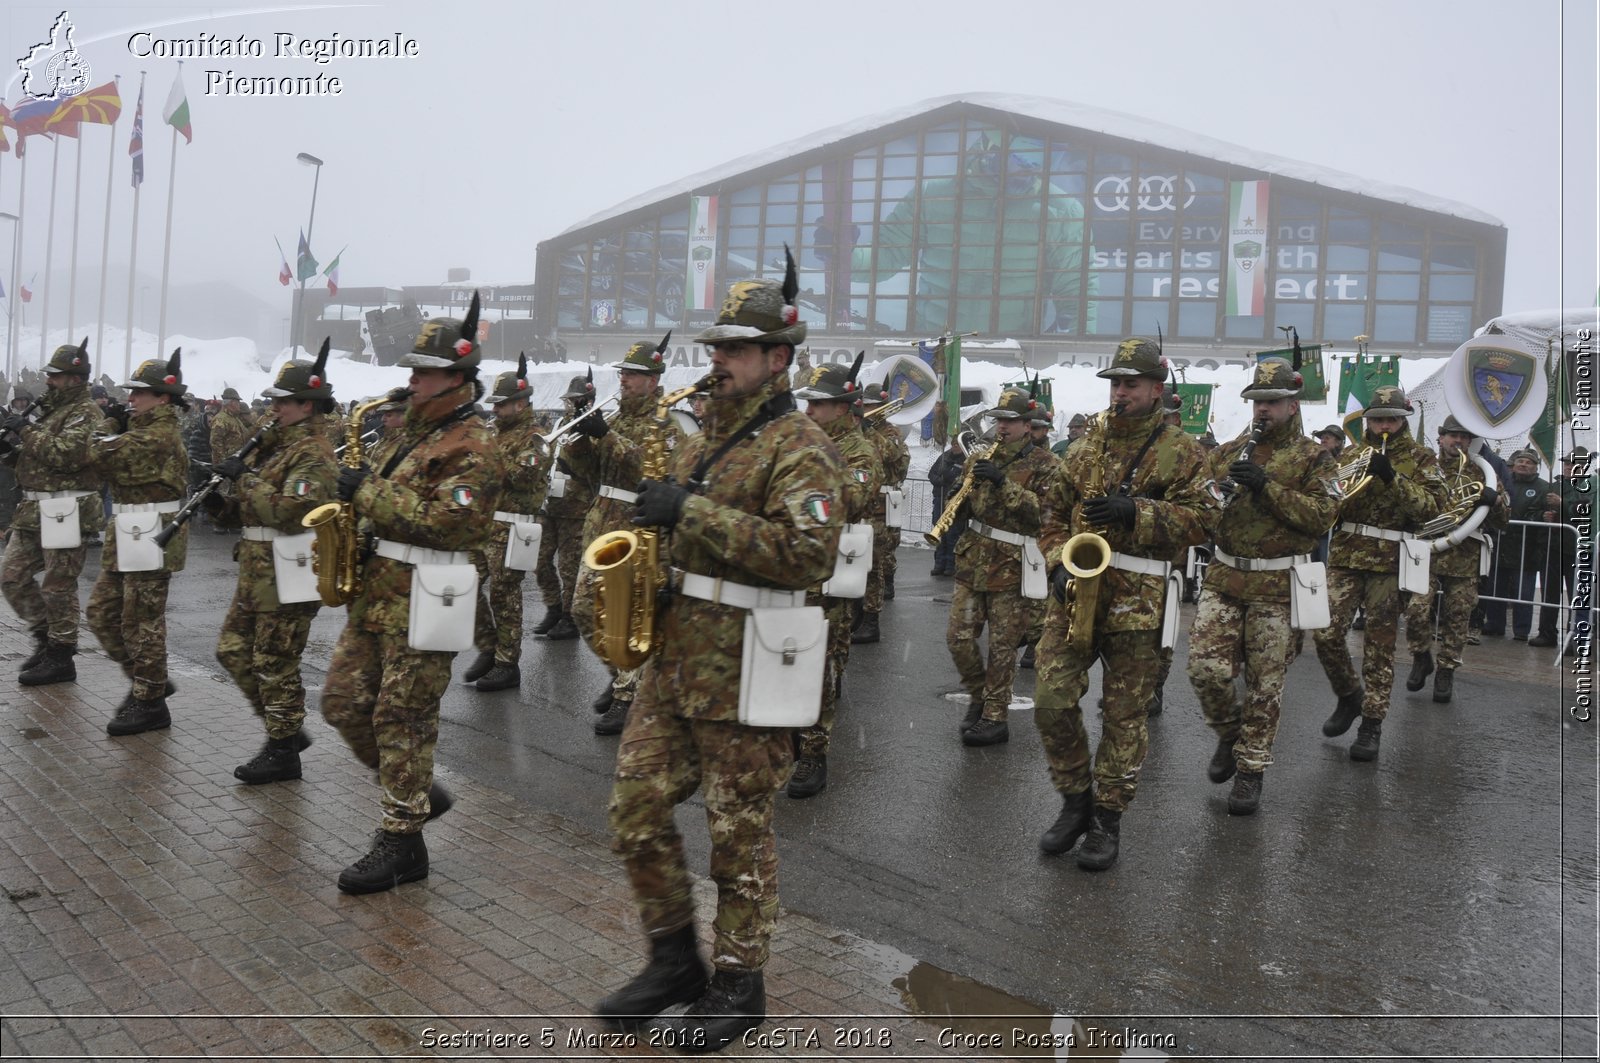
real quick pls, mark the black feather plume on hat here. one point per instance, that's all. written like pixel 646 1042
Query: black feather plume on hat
pixel 319 367
pixel 791 277
pixel 1160 344
pixel 522 366
pixel 661 348
pixel 855 367
pixel 174 364
pixel 469 327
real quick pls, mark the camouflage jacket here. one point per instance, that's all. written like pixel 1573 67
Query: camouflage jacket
pixel 522 459
pixel 1462 559
pixel 294 473
pixel 55 454
pixel 1414 498
pixel 863 467
pixel 441 495
pixel 987 564
pixel 891 446
pixel 228 434
pixel 579 496
pixel 147 463
pixel 1288 517
pixel 616 461
pixel 767 515
pixel 1173 500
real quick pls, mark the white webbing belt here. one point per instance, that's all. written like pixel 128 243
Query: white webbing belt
pixel 1144 566
pixel 738 595
pixel 1259 564
pixel 145 507
pixel 1376 533
pixel 516 518
pixel 999 535
pixel 420 555
pixel 607 491
pixel 256 534
pixel 40 496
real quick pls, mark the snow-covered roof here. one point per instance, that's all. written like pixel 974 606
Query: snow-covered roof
pixel 1061 112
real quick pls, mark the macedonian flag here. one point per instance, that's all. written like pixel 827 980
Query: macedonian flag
pixel 100 105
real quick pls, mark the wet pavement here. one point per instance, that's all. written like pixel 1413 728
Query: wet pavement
pixel 1438 902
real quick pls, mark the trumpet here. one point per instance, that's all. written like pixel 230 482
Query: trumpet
pixel 1353 476
pixel 554 435
pixel 888 409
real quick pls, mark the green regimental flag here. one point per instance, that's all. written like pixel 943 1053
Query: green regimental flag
pixel 1316 386
pixel 1196 407
pixel 952 385
pixel 1358 378
pixel 1545 435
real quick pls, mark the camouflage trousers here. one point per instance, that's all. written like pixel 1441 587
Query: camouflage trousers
pixel 884 543
pixel 1128 682
pixel 52 603
pixel 840 612
pixel 505 597
pixel 127 612
pixel 1457 597
pixel 1008 616
pixel 383 697
pixel 560 552
pixel 1378 593
pixel 624 682
pixel 262 651
pixel 1230 633
pixel 662 761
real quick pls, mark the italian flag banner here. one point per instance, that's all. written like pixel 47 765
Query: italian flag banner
pixel 699 287
pixel 1247 248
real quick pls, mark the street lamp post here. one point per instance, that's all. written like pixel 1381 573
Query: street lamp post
pixel 300 295
pixel 11 310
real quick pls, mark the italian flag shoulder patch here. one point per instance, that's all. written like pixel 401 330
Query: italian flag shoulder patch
pixel 461 495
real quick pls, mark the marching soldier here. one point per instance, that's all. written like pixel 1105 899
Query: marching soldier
pixel 1364 565
pixel 610 454
pixel 391 423
pixel 829 393
pixel 1281 500
pixel 527 475
pixel 561 545
pixel 431 502
pixel 147 468
pixel 1140 485
pixel 1454 572
pixel 1076 426
pixel 53 459
pixel 228 433
pixel 991 558
pixel 753 508
pixel 264 636
pixel 895 461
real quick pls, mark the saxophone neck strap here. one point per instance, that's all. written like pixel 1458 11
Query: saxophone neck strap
pixel 771 410
pixel 459 414
pixel 1127 477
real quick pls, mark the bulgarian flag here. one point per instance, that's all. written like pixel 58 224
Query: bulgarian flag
pixel 332 273
pixel 176 112
pixel 1247 248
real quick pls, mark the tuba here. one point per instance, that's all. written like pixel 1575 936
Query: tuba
pixel 626 566
pixel 1087 554
pixel 336 553
pixel 952 506
pixel 1462 514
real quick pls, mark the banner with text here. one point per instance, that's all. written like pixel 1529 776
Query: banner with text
pixel 1247 248
pixel 700 284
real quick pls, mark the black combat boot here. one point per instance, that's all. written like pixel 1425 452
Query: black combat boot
pixel 1099 850
pixel 1444 685
pixel 393 859
pixel 603 702
pixel 279 760
pixel 1544 640
pixel 888 586
pixel 137 714
pixel 551 615
pixel 973 715
pixel 500 677
pixel 41 645
pixel 1344 714
pixel 1029 657
pixel 986 733
pixel 1246 795
pixel 1421 669
pixel 55 667
pixel 734 1004
pixel 1222 764
pixel 810 776
pixel 1156 705
pixel 675 975
pixel 564 629
pixel 480 667
pixel 1365 746
pixel 1070 825
pixel 868 631
pixel 615 718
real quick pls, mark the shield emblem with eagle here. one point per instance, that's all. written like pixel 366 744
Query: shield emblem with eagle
pixel 1500 380
pixel 908 377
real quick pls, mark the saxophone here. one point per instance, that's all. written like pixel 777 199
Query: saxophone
pixel 952 505
pixel 626 564
pixel 1087 554
pixel 336 553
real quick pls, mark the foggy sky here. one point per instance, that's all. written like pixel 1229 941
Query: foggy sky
pixel 519 119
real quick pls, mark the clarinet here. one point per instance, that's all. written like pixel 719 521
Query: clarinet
pixel 164 536
pixel 1229 489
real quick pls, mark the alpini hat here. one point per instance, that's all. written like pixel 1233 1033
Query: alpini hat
pixel 760 311
pixel 643 357
pixel 229 393
pixel 872 392
pixel 1044 418
pixel 70 359
pixel 1137 357
pixel 1172 403
pixel 832 383
pixel 299 380
pixel 163 378
pixel 580 388
pixel 445 343
pixel 1274 379
pixel 1078 421
pixel 1388 401
pixel 508 387
pixel 1017 403
pixel 1452 425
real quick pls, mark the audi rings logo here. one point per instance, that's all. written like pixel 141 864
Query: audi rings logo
pixel 1112 193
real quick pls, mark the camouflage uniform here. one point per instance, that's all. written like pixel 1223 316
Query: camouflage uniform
pixel 522 457
pixel 228 434
pixel 896 462
pixel 54 455
pixel 561 543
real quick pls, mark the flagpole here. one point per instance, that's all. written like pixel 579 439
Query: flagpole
pixel 16 263
pixel 105 239
pixel 72 272
pixel 133 258
pixel 166 251
pixel 49 248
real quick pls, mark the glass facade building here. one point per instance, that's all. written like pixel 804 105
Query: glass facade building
pixel 970 217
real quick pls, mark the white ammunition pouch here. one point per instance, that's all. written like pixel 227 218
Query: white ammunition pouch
pixel 558 484
pixel 1173 583
pixel 291 568
pixel 58 523
pixel 444 605
pixel 785 650
pixel 136 541
pixel 522 545
pixel 1414 556
pixel 1308 596
pixel 894 505
pixel 849 579
pixel 1035 581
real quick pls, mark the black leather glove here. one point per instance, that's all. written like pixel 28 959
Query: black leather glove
pixel 1058 583
pixel 230 468
pixel 12 422
pixel 660 504
pixel 987 470
pixel 594 426
pixel 1488 498
pixel 1248 474
pixel 1381 467
pixel 1111 511
pixel 117 414
pixel 350 481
